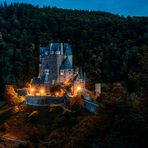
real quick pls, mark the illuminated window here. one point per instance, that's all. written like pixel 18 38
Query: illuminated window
pixel 61 72
pixel 57 52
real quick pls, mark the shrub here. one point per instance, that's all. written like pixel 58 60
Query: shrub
pixel 75 102
pixel 15 109
pixel 11 96
pixel 5 127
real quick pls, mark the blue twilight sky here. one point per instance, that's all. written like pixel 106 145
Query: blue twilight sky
pixel 121 7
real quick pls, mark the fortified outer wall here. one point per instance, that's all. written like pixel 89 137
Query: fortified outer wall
pixel 44 100
pixel 91 106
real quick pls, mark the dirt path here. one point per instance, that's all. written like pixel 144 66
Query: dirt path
pixel 13 139
pixel 4 109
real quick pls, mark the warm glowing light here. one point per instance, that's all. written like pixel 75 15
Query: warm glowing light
pixel 32 89
pixel 79 88
pixel 57 94
pixel 37 94
pixel 42 91
pixel 66 83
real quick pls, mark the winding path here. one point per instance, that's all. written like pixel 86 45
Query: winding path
pixel 13 139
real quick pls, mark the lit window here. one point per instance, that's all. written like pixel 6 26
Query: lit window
pixel 46 70
pixel 57 52
pixel 61 72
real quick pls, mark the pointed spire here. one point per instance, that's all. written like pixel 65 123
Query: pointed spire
pixel 66 64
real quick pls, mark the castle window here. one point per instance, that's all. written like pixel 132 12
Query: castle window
pixel 46 52
pixel 51 52
pixel 57 52
pixel 61 72
pixel 46 70
pixel 69 71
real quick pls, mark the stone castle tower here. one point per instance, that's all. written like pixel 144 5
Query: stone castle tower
pixel 56 64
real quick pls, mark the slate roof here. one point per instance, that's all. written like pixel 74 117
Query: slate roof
pixel 44 50
pixel 35 80
pixel 67 49
pixel 56 47
pixel 66 64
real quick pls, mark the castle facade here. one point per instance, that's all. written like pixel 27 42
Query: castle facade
pixel 56 63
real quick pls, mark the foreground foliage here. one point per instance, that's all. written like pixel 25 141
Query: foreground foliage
pixel 121 121
pixel 12 97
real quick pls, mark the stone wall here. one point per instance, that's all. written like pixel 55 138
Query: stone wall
pixel 44 100
pixel 52 64
pixel 90 105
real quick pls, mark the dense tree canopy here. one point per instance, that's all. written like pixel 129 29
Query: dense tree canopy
pixel 111 47
pixel 12 97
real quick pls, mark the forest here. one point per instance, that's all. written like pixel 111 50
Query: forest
pixel 111 49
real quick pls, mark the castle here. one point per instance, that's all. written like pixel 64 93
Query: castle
pixel 56 64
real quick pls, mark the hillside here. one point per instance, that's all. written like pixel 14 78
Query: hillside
pixel 31 126
pixel 111 48
pixel 121 121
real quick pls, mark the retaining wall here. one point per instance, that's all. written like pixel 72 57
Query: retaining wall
pixel 43 100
